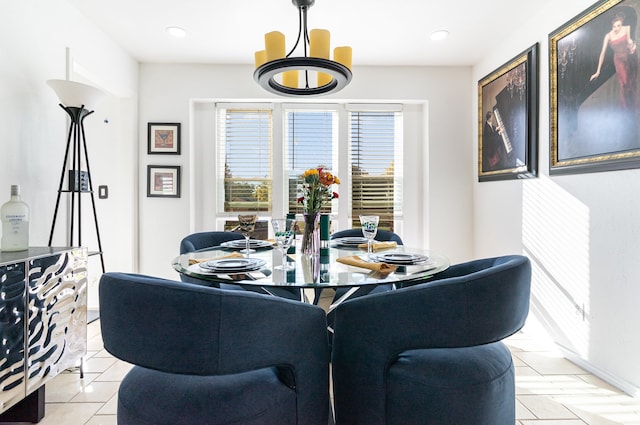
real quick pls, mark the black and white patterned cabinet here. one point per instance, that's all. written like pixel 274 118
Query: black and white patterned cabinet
pixel 43 324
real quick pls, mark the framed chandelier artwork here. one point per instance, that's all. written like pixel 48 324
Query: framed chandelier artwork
pixel 508 120
pixel 594 99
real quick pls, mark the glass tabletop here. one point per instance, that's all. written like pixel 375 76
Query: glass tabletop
pixel 324 271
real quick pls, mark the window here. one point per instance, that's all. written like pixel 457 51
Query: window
pixel 245 155
pixel 376 166
pixel 309 136
pixel 361 144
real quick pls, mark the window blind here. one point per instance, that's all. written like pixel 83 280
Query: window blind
pixel 310 138
pixel 245 155
pixel 376 142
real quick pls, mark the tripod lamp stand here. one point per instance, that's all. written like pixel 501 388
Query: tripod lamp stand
pixel 75 98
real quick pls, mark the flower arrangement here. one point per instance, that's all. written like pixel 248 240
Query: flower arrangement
pixel 316 189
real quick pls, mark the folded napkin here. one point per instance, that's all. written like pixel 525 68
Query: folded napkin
pixel 193 261
pixel 356 261
pixel 378 246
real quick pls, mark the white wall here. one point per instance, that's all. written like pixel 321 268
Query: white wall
pixel 581 232
pixel 438 198
pixel 35 39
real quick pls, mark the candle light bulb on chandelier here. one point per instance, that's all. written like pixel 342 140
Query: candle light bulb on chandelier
pixel 312 74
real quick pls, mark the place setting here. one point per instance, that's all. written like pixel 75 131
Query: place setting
pixel 246 225
pixel 240 244
pixel 383 263
pixel 232 264
pixel 369 225
pixel 398 258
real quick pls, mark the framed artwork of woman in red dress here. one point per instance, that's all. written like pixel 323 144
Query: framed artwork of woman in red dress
pixel 594 90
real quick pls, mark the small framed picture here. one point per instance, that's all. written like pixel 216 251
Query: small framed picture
pixel 163 138
pixel 508 120
pixel 163 181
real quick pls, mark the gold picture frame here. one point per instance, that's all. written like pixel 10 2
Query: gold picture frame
pixel 508 120
pixel 593 86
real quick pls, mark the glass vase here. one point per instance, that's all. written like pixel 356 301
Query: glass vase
pixel 311 236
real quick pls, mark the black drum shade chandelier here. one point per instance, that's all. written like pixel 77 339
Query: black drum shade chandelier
pixel 314 73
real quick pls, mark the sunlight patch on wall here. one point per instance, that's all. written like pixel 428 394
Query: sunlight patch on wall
pixel 555 235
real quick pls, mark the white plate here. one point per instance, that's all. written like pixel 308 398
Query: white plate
pixel 399 258
pixel 229 265
pixel 350 241
pixel 241 244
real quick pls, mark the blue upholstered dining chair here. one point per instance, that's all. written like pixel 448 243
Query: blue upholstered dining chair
pixel 211 239
pixel 208 356
pixel 381 235
pixel 202 240
pixel 432 353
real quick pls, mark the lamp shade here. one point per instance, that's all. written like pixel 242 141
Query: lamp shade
pixel 73 94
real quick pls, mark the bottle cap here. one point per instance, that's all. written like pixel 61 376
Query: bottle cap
pixel 15 190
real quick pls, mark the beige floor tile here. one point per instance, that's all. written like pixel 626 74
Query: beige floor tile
pixel 103 420
pixel 597 382
pixel 549 363
pixel 94 343
pixel 97 392
pixel 602 407
pixel 116 372
pixel 544 407
pixel 110 407
pixel 65 386
pixel 103 353
pixel 69 413
pixel 522 412
pixel 99 364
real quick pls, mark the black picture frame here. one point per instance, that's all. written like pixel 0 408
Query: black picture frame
pixel 163 138
pixel 508 120
pixel 163 181
pixel 594 118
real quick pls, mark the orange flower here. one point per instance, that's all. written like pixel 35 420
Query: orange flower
pixel 316 189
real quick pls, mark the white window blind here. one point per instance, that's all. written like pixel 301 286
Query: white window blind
pixel 310 137
pixel 245 154
pixel 376 165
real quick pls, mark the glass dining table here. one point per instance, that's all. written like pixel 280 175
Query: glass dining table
pixel 339 266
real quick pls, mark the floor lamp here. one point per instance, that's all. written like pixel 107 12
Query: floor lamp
pixel 75 98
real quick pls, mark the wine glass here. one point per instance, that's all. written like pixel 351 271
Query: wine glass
pixel 247 224
pixel 369 229
pixel 283 229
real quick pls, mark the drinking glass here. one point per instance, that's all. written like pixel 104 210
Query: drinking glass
pixel 283 228
pixel 369 229
pixel 247 224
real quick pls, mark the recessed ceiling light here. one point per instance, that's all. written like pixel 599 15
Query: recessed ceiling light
pixel 439 35
pixel 176 32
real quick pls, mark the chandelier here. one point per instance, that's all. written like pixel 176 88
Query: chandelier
pixel 314 73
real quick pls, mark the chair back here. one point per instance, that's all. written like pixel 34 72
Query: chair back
pixel 381 235
pixel 185 329
pixel 468 305
pixel 202 240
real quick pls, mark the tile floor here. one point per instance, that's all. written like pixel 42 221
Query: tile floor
pixel 550 389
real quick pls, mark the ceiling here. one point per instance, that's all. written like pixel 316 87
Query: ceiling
pixel 381 32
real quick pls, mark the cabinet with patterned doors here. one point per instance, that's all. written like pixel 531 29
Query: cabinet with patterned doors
pixel 43 324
